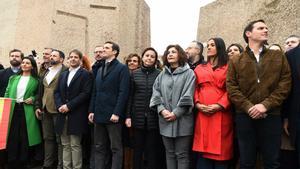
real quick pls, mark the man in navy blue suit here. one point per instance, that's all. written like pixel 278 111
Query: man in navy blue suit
pixel 72 97
pixel 107 107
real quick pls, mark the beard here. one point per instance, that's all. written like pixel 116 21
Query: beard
pixel 15 63
pixel 53 62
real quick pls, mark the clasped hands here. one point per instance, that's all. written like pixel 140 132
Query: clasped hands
pixel 257 111
pixel 168 116
pixel 208 109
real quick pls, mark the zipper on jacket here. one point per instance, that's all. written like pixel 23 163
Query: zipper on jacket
pixel 257 71
pixel 147 94
pixel 257 65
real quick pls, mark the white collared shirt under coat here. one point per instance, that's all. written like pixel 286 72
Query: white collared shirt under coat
pixel 72 72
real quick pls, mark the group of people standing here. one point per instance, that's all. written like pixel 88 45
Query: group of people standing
pixel 188 105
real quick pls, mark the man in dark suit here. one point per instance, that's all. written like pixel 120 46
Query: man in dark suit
pixel 291 42
pixel 99 61
pixel 15 59
pixel 107 107
pixel 72 97
pixel 291 108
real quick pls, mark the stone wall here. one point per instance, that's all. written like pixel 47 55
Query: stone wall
pixel 8 19
pixel 227 19
pixel 69 24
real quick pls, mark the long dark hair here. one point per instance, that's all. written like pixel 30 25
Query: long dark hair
pixel 34 71
pixel 182 58
pixel 221 52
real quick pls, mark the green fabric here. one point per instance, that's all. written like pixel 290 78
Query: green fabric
pixel 33 129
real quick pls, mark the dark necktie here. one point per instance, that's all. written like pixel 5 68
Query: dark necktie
pixel 105 68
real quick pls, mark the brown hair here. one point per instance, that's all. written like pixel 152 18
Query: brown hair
pixel 77 52
pixel 240 47
pixel 17 50
pixel 249 28
pixel 152 49
pixel 182 58
pixel 275 44
pixel 131 55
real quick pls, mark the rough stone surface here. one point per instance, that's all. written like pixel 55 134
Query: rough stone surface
pixel 227 19
pixel 69 24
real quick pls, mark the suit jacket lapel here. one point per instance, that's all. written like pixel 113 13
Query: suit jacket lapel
pixel 77 74
pixel 111 67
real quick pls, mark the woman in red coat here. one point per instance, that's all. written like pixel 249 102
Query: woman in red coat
pixel 213 137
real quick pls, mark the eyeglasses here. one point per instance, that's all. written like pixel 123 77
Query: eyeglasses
pixel 98 52
pixel 132 61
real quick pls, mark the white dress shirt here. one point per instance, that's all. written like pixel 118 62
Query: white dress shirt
pixel 72 72
pixel 257 56
pixel 52 73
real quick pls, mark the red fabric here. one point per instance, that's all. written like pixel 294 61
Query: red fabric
pixel 5 104
pixel 213 135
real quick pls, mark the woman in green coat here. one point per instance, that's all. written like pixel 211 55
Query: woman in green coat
pixel 23 129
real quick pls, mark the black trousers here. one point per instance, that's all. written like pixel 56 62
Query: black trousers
pixel 106 135
pixel 17 144
pixel 3 159
pixel 288 159
pixel 298 142
pixel 264 134
pixel 148 144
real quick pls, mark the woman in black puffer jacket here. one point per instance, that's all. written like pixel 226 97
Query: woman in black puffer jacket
pixel 140 117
